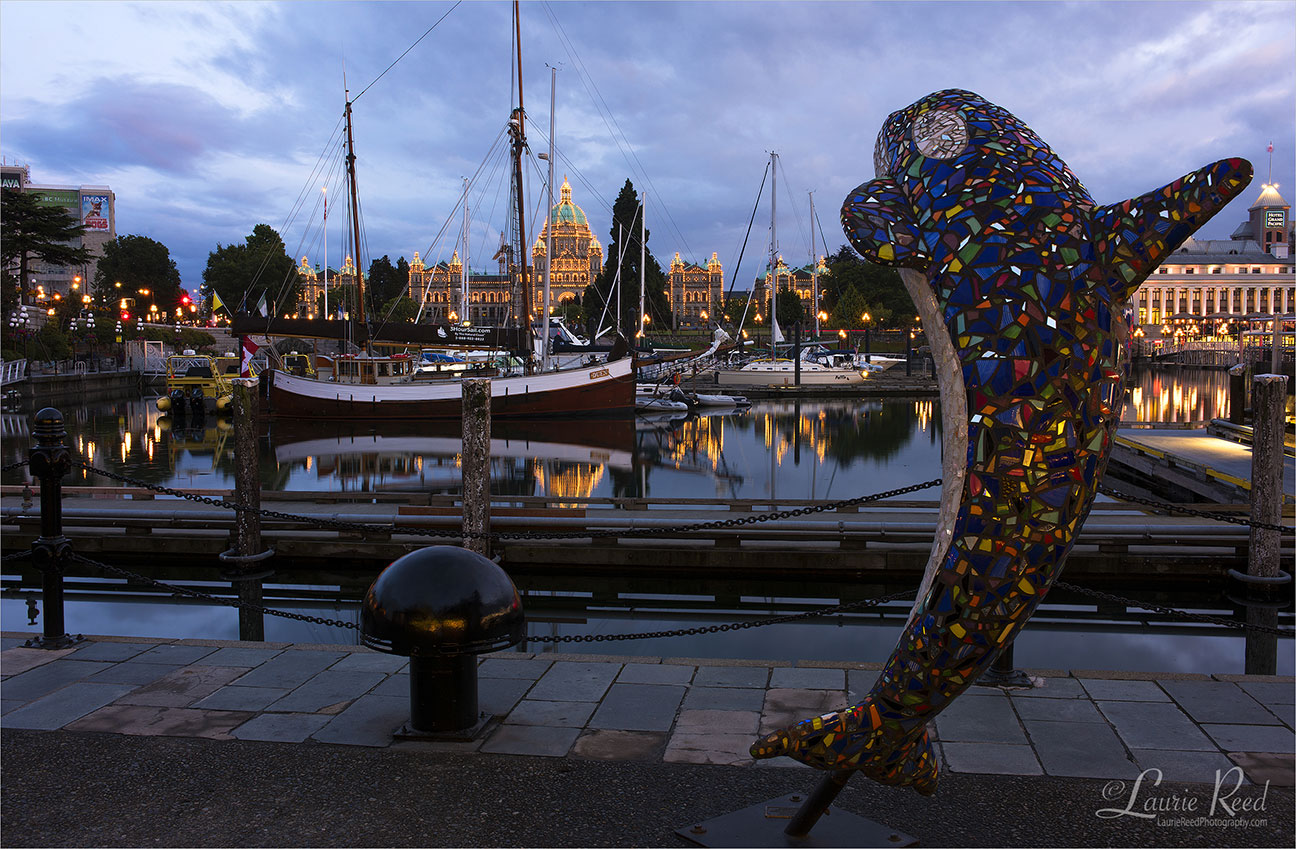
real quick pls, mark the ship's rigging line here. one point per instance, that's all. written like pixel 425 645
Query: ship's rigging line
pixel 734 277
pixel 407 50
pixel 605 114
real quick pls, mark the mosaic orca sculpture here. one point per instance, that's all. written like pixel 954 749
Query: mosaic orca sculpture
pixel 1022 284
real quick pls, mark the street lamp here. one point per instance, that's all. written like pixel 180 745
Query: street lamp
pixel 868 351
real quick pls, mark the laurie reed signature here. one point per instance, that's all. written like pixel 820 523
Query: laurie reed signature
pixel 1148 801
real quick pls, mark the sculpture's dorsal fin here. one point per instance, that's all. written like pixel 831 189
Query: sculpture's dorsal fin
pixel 1133 237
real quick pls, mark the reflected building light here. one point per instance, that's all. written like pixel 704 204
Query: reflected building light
pixel 310 461
pixel 126 444
pixel 150 450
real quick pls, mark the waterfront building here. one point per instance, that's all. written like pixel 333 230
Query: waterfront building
pixel 93 206
pixel 695 292
pixel 311 286
pixel 799 280
pixel 1249 274
pixel 577 255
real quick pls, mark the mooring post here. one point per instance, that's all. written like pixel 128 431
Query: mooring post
pixel 247 491
pixel 476 465
pixel 1237 394
pixel 1268 399
pixel 796 353
pixel 50 461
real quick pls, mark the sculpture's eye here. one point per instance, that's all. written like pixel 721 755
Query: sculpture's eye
pixel 940 134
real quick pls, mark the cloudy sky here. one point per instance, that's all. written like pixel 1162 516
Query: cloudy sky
pixel 208 118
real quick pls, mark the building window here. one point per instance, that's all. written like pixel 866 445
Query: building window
pixel 1188 269
pixel 1255 270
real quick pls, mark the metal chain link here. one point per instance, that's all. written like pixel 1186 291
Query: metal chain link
pixel 1170 611
pixel 1188 511
pixel 11 466
pixel 228 602
pixel 17 555
pixel 731 626
pixel 521 535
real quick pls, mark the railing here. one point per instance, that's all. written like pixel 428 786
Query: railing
pixel 13 372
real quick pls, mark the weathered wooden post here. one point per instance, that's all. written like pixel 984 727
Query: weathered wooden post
pixel 1268 400
pixel 1237 394
pixel 50 461
pixel 247 534
pixel 475 464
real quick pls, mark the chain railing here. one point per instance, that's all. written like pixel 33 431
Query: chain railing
pixel 1189 511
pixel 1170 611
pixel 390 527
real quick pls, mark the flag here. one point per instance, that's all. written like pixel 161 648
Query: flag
pixel 1271 147
pixel 261 306
pixel 249 351
pixel 218 304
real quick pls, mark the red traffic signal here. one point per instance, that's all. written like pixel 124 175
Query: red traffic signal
pixel 185 300
pixel 125 316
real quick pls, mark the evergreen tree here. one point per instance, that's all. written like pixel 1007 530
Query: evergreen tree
pixel 31 230
pixel 626 230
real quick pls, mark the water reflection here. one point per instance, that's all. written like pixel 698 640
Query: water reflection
pixel 776 449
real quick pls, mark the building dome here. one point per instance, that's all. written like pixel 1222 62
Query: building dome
pixel 566 212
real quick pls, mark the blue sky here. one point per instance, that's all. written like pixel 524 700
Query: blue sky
pixel 208 118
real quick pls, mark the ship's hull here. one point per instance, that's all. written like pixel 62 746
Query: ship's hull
pixel 602 389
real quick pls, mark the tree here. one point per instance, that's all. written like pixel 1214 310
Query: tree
pixel 385 283
pixel 241 274
pixel 880 287
pixel 133 265
pixel 790 309
pixel 398 309
pixel 626 229
pixel 32 230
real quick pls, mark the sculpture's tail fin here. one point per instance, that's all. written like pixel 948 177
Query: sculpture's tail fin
pixel 1133 237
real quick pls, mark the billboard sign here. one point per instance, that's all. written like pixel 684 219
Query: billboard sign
pixel 11 179
pixel 69 198
pixel 94 211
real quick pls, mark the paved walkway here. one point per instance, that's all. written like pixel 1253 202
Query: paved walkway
pixel 1088 724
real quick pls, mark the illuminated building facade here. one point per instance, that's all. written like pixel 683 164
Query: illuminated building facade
pixel 695 292
pixel 311 286
pixel 799 280
pixel 577 255
pixel 94 207
pixel 1248 274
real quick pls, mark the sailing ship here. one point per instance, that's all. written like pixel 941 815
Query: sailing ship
pixel 375 387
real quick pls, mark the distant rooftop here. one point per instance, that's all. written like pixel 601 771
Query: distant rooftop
pixel 1269 197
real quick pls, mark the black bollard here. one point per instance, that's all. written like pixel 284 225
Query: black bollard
pixel 1002 674
pixel 50 461
pixel 1237 394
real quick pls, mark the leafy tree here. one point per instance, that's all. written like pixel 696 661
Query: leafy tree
pixel 30 231
pixel 241 274
pixel 385 283
pixel 138 263
pixel 341 297
pixel 398 309
pixel 880 287
pixel 790 310
pixel 848 309
pixel 626 228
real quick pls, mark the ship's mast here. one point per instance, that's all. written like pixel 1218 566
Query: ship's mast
pixel 463 274
pixel 517 130
pixel 774 328
pixel 549 227
pixel 355 222
pixel 814 270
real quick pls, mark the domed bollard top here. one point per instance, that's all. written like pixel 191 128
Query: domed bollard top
pixel 440 606
pixel 442 600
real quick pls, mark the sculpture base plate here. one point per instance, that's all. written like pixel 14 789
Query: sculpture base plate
pixel 763 824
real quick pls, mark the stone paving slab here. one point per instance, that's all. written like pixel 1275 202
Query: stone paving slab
pixel 1252 738
pixel 131 672
pixel 237 657
pixel 1105 690
pixel 17 660
pixel 1279 770
pixel 808 679
pixel 531 740
pixel 290 669
pixel 980 719
pixel 154 720
pixel 1062 710
pixel 1053 688
pixel 64 706
pixel 1286 714
pixel 281 727
pixel 112 652
pixel 1193 767
pixel 655 673
pixel 638 707
pixel 46 678
pixel 182 687
pixel 371 662
pixel 1218 702
pixel 495 667
pixel 495 696
pixel 369 721
pixel 1270 693
pixel 724 698
pixel 553 714
pixel 996 759
pixel 241 698
pixel 611 745
pixel 732 676
pixel 1080 749
pixel 784 707
pixel 1155 725
pixel 575 682
pixel 328 689
pixel 170 654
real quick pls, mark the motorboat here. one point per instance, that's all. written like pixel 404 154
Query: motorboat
pixel 770 371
